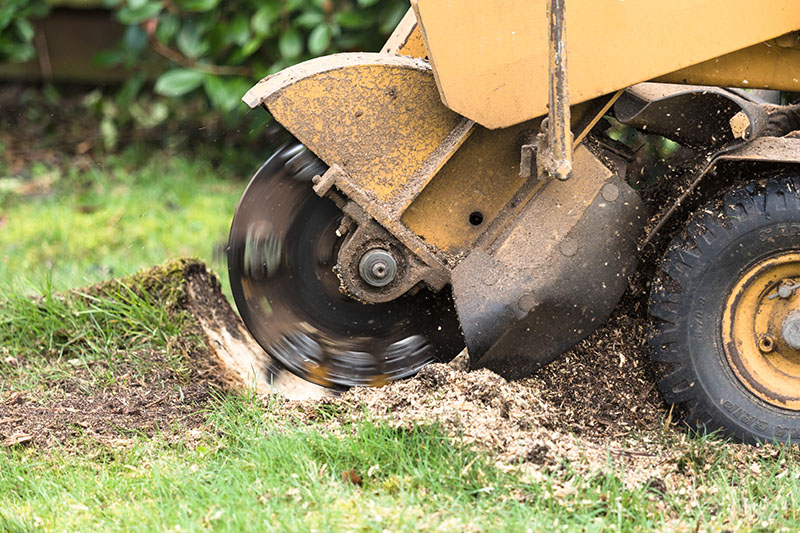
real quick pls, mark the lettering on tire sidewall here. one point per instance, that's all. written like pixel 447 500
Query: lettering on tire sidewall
pixel 699 319
pixel 747 419
pixel 786 229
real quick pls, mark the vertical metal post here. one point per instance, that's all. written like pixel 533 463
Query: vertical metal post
pixel 557 161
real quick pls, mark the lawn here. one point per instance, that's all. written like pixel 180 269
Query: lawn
pixel 171 449
pixel 61 227
pixel 252 470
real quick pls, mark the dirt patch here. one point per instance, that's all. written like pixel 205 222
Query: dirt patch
pixel 594 407
pixel 149 391
pixel 164 404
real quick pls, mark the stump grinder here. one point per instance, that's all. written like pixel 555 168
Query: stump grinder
pixel 458 188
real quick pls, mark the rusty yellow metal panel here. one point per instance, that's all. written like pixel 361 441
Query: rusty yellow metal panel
pixel 768 65
pixel 406 39
pixel 478 181
pixel 481 178
pixel 377 116
pixel 490 57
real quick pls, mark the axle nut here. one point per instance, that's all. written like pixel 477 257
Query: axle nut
pixel 377 267
pixel 790 329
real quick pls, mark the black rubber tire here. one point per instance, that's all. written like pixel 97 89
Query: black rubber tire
pixel 720 243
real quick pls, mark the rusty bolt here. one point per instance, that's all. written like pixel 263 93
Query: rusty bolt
pixel 786 289
pixel 569 247
pixel 610 192
pixel 766 343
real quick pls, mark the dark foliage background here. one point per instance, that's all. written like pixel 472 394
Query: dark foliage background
pixel 190 61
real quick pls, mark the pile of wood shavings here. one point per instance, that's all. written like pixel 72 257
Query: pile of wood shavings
pixel 595 408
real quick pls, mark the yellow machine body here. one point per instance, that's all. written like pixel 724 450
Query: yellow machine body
pixel 491 58
pixel 432 150
pixel 426 134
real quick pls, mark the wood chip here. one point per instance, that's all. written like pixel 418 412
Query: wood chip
pixel 353 477
pixel 17 439
pixel 13 398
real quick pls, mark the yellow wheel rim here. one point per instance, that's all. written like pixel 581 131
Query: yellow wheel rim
pixel 761 330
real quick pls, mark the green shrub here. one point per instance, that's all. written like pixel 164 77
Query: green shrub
pixel 219 48
pixel 224 46
pixel 16 30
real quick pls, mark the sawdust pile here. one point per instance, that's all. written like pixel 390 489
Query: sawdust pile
pixel 597 399
pixel 598 391
pixel 595 408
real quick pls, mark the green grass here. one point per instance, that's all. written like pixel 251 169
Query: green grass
pixel 132 211
pixel 49 336
pixel 62 229
pixel 257 471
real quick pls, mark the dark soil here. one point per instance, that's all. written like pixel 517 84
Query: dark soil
pixel 163 404
pixel 141 393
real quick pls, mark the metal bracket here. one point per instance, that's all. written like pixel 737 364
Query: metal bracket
pixel 527 160
pixel 421 263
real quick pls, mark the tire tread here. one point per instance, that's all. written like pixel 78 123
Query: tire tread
pixel 739 210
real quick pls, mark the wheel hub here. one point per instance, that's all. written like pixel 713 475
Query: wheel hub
pixel 761 330
pixel 790 330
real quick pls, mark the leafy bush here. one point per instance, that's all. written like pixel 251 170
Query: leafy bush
pixel 219 47
pixel 16 31
pixel 224 46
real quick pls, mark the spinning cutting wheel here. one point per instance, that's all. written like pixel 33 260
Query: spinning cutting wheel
pixel 282 252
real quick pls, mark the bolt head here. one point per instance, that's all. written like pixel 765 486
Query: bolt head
pixel 766 343
pixel 379 270
pixel 610 192
pixel 377 267
pixel 562 169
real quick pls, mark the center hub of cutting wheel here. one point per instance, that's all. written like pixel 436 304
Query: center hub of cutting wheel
pixel 377 267
pixel 761 330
